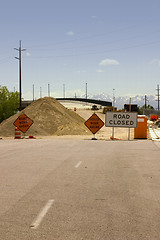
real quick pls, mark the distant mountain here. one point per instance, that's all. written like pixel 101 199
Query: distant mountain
pixel 120 101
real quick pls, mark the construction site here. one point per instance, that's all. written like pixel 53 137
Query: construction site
pixel 52 119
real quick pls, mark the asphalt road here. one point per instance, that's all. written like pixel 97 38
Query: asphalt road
pixel 79 189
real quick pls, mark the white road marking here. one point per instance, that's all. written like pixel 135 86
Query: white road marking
pixel 157 132
pixel 152 133
pixel 78 164
pixel 41 215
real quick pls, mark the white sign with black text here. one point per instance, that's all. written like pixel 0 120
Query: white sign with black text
pixel 121 119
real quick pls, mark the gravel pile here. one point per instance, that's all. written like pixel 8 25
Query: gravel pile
pixel 50 118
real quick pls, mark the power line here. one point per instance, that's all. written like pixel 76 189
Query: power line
pixel 6 59
pixel 98 52
pixel 93 36
pixel 83 38
pixel 92 45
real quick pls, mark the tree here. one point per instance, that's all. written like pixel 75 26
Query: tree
pixel 9 103
pixel 143 108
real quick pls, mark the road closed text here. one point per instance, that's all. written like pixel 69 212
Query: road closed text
pixel 119 119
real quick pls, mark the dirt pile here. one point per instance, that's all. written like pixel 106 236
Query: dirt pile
pixel 50 118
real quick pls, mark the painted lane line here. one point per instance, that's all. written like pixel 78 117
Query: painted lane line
pixel 78 164
pixel 41 215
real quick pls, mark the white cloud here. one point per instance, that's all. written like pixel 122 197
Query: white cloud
pixel 99 71
pixel 28 54
pixel 70 33
pixel 80 71
pixel 108 62
pixel 155 61
pixel 94 17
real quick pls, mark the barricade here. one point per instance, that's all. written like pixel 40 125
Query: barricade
pixel 17 133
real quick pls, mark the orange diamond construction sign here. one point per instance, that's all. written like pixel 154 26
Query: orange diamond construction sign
pixel 94 123
pixel 23 123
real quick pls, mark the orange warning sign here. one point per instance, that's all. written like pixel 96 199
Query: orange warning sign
pixel 94 123
pixel 23 123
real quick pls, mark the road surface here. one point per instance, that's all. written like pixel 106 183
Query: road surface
pixel 79 190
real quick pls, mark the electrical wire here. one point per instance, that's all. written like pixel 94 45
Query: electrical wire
pixel 101 44
pixel 99 52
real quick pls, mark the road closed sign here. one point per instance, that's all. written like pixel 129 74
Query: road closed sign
pixel 121 119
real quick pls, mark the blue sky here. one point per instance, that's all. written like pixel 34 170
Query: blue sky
pixel 106 43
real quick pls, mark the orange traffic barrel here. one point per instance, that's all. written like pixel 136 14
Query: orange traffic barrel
pixel 141 130
pixel 17 133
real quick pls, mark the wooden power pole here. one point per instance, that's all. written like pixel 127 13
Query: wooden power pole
pixel 20 81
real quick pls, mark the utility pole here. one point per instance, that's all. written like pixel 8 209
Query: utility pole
pixel 20 82
pixel 145 101
pixel 40 92
pixel 158 90
pixel 86 91
pixel 48 90
pixel 33 92
pixel 113 97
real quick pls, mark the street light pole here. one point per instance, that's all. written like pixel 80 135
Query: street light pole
pixel 158 95
pixel 113 98
pixel 20 80
pixel 113 110
pixel 33 92
pixel 86 91
pixel 48 90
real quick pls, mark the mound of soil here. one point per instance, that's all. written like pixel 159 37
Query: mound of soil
pixel 50 118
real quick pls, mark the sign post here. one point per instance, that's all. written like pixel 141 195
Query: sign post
pixel 112 132
pixel 121 119
pixel 130 111
pixel 94 124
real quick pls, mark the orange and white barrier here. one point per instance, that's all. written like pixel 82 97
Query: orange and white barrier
pixel 17 133
pixel 115 138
